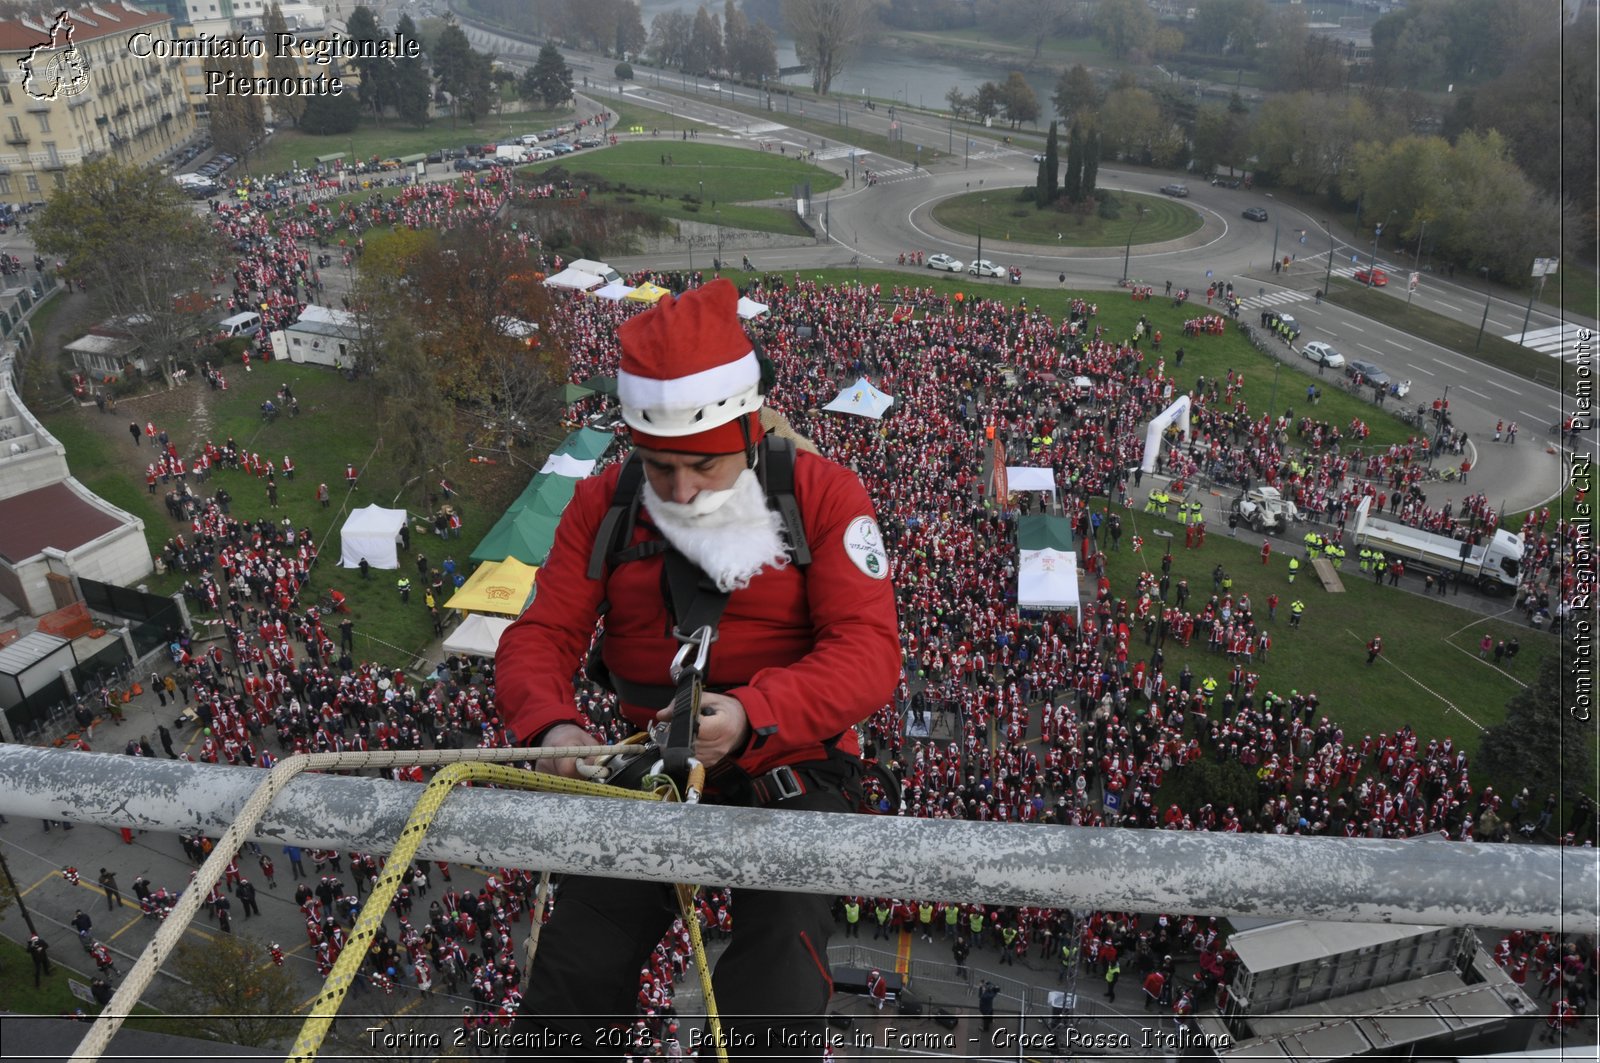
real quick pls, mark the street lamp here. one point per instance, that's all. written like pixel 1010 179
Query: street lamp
pixel 1327 280
pixel 1127 252
pixel 1488 297
pixel 718 213
pixel 982 214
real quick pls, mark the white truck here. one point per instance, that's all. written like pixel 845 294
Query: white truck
pixel 599 269
pixel 1264 509
pixel 512 153
pixel 1492 564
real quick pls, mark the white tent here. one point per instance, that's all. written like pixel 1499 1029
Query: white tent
pixel 477 635
pixel 1178 411
pixel 749 308
pixel 371 533
pixel 861 399
pixel 568 465
pixel 1026 478
pixel 616 291
pixel 1047 579
pixel 575 279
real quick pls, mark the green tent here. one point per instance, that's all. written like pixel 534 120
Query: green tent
pixel 527 529
pixel 605 385
pixel 571 393
pixel 1041 531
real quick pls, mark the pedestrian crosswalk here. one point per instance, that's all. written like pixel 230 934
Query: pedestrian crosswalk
pixel 1567 341
pixel 1278 298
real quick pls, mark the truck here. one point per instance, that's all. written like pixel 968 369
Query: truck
pixel 511 153
pixel 1493 564
pixel 599 269
pixel 1264 509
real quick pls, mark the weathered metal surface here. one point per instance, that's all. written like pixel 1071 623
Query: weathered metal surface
pixel 1457 884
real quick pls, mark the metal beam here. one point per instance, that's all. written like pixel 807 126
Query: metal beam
pixel 1338 879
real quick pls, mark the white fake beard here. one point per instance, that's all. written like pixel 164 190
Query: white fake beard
pixel 732 535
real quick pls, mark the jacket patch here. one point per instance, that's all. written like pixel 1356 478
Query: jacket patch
pixel 864 545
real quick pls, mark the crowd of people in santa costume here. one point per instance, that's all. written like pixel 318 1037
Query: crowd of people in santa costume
pixel 1111 717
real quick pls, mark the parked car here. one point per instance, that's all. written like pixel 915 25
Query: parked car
pixel 1323 354
pixel 590 142
pixel 1273 320
pixel 1180 191
pixel 466 166
pixel 1369 374
pixel 1255 214
pixel 1377 277
pixel 944 262
pixel 984 268
pixel 435 156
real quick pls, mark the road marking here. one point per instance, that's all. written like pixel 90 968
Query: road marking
pixel 129 925
pixel 1358 328
pixel 1535 416
pixel 1374 350
pixel 41 882
pixel 1502 387
pixel 1447 306
pixel 1397 343
pixel 1450 365
pixel 1419 368
pixel 1480 394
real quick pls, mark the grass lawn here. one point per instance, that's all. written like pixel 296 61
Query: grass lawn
pixel 1575 288
pixel 1010 214
pixel 1390 308
pixel 702 180
pixel 19 997
pixel 289 147
pixel 1429 676
pixel 336 426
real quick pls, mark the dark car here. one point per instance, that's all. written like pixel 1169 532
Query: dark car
pixel 1255 214
pixel 1180 191
pixel 435 156
pixel 1369 374
pixel 466 166
pixel 1280 323
pixel 590 142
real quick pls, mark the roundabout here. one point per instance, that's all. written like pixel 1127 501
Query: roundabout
pixel 1009 214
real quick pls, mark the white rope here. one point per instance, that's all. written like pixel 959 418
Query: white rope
pixel 98 1039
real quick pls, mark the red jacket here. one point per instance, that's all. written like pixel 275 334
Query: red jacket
pixel 808 654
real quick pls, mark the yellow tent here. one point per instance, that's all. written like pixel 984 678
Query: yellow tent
pixel 646 293
pixel 497 587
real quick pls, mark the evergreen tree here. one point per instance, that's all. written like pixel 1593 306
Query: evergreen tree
pixel 1091 164
pixel 1073 187
pixel 549 78
pixel 1052 164
pixel 1540 744
pixel 377 74
pixel 413 90
pixel 328 116
pixel 282 66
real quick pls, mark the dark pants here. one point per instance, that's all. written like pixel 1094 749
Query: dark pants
pixel 772 977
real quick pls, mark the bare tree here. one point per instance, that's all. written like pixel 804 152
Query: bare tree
pixel 825 32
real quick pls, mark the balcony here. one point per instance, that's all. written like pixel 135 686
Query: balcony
pixel 17 139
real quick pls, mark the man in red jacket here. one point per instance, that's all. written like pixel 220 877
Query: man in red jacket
pixel 807 647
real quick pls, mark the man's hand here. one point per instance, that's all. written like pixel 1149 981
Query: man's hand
pixel 564 734
pixel 724 728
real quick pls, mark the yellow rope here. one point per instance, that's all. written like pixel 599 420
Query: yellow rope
pixel 325 1008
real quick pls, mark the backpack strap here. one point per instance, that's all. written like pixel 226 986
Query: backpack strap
pixel 616 527
pixel 777 480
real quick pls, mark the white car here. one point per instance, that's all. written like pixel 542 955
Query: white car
pixel 1323 354
pixel 984 268
pixel 944 262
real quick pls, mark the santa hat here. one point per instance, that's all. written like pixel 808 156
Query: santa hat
pixel 690 380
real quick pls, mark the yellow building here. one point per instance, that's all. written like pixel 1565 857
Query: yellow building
pixel 72 89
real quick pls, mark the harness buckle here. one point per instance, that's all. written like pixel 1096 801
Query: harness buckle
pixel 785 782
pixel 698 645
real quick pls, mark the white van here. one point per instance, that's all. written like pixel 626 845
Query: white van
pixel 511 153
pixel 599 269
pixel 239 326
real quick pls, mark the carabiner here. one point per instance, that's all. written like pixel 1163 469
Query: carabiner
pixel 700 644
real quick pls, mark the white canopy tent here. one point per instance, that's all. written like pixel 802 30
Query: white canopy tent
pixel 568 465
pixel 861 399
pixel 1026 478
pixel 575 280
pixel 1179 412
pixel 1047 579
pixel 477 635
pixel 616 291
pixel 371 533
pixel 749 308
